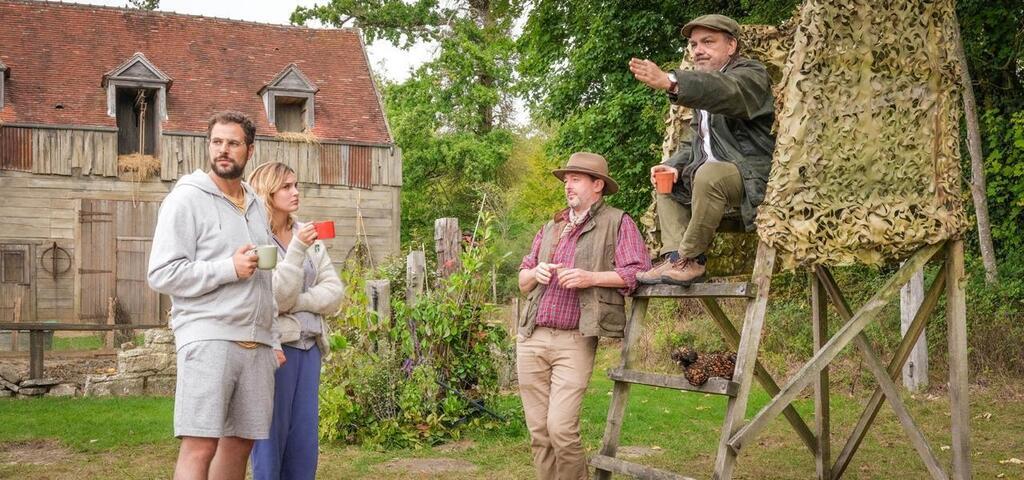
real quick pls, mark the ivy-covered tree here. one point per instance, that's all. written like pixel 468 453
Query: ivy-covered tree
pixel 452 116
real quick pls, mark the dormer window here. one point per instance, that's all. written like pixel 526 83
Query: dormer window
pixel 137 98
pixel 288 99
pixel 4 73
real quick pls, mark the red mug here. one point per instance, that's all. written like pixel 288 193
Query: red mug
pixel 324 230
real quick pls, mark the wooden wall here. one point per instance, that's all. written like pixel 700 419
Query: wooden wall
pixel 72 172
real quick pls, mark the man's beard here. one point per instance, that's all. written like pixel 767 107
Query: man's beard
pixel 231 173
pixel 573 201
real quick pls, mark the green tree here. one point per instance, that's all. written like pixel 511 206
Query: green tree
pixel 144 4
pixel 452 116
pixel 993 39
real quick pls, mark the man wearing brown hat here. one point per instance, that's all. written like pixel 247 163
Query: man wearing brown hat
pixel 724 165
pixel 581 265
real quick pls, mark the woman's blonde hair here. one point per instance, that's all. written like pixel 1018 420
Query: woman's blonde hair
pixel 267 179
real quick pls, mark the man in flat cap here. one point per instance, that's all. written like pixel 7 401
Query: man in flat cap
pixel 581 265
pixel 724 166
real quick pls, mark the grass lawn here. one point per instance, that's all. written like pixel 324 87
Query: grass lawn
pixel 131 438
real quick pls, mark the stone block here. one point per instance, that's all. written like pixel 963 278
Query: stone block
pixel 4 393
pixel 33 391
pixel 63 390
pixel 141 360
pixel 10 386
pixel 12 373
pixel 160 385
pixel 159 336
pixel 38 382
pixel 114 385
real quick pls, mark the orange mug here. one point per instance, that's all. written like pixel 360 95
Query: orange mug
pixel 324 230
pixel 663 181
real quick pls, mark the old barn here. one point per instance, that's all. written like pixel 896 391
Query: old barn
pixel 103 109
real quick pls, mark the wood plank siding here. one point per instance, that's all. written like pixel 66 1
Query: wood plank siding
pixel 60 186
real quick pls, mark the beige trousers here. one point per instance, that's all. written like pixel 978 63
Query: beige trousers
pixel 690 230
pixel 554 368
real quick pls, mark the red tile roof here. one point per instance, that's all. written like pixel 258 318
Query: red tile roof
pixel 57 55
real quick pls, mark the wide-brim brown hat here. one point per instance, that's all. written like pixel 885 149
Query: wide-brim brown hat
pixel 590 164
pixel 721 23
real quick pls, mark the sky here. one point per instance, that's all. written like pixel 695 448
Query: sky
pixel 386 60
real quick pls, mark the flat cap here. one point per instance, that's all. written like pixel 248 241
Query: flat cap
pixel 721 23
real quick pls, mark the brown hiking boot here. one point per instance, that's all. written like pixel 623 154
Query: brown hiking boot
pixel 653 275
pixel 685 271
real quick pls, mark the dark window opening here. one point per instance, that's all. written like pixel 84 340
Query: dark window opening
pixel 13 267
pixel 290 114
pixel 137 123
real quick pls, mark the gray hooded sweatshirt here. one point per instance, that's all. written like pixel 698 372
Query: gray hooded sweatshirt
pixel 198 231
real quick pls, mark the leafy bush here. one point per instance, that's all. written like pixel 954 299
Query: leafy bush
pixel 409 380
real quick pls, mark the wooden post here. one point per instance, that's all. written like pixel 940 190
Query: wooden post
pixel 379 294
pixel 746 359
pixel 415 274
pixel 35 361
pixel 447 240
pixel 108 337
pixel 956 319
pixel 915 371
pixel 620 392
pixel 17 319
pixel 822 427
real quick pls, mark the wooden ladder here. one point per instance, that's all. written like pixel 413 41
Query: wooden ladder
pixel 736 435
pixel 738 389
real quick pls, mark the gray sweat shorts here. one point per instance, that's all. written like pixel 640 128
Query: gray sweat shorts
pixel 224 390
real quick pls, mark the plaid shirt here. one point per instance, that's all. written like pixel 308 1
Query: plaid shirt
pixel 560 307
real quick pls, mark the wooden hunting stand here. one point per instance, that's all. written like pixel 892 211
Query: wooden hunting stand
pixel 737 435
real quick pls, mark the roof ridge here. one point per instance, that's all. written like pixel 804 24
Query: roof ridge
pixel 83 5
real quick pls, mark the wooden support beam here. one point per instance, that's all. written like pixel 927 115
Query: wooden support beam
pixel 620 393
pixel 611 464
pixel 915 369
pixel 715 385
pixel 892 394
pixel 915 330
pixel 823 357
pixel 956 320
pixel 732 338
pixel 746 359
pixel 822 426
pixel 885 380
pixel 697 290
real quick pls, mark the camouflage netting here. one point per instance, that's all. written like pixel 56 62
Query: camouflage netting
pixel 731 253
pixel 867 166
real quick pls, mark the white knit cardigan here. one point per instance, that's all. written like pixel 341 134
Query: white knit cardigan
pixel 323 298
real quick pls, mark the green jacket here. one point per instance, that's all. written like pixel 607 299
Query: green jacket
pixel 741 111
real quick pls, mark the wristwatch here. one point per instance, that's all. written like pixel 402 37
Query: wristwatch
pixel 673 82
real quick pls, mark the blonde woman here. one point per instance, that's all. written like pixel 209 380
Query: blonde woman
pixel 306 288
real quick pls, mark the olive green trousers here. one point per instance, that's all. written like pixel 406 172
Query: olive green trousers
pixel 690 229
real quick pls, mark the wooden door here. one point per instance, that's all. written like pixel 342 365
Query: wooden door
pixel 134 226
pixel 96 250
pixel 16 300
pixel 116 237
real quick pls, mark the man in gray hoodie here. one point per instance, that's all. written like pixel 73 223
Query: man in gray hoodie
pixel 222 306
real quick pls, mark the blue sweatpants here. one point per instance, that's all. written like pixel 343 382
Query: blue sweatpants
pixel 291 452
